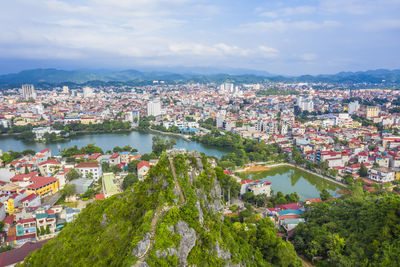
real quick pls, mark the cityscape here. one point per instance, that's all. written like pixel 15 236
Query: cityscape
pixel 175 133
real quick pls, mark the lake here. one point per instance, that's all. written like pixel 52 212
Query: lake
pixel 288 180
pixel 142 141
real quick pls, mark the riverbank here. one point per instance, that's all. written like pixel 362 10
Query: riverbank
pixel 269 166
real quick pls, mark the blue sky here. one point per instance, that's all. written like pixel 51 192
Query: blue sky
pixel 287 37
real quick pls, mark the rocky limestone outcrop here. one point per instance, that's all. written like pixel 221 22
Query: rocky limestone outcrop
pixel 166 253
pixel 198 206
pixel 222 254
pixel 216 191
pixel 188 241
pixel 104 220
pixel 142 246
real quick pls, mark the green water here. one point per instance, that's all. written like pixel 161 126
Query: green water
pixel 288 180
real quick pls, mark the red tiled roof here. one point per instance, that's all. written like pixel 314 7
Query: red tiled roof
pixel 50 161
pixel 9 219
pixel 99 196
pixel 291 206
pixel 26 220
pixel 142 164
pixel 17 255
pixel 45 150
pixel 29 198
pixel 88 165
pixel 40 181
pixel 23 177
pixel 114 156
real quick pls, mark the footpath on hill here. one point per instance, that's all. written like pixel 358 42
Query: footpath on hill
pixel 159 215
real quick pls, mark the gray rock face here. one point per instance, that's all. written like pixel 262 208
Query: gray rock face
pixel 172 251
pixel 222 254
pixel 161 253
pixel 198 206
pixel 171 228
pixel 188 241
pixel 165 185
pixel 216 190
pixel 176 194
pixel 215 205
pixel 142 246
pixel 167 253
pixel 104 220
pixel 144 264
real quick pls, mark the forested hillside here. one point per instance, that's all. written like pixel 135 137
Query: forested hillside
pixel 167 220
pixel 362 230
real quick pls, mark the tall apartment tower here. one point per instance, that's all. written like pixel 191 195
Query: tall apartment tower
pixel 154 108
pixel 353 107
pixel 87 92
pixel 28 91
pixel 65 89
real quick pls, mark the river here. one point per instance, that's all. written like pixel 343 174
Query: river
pixel 289 180
pixel 142 141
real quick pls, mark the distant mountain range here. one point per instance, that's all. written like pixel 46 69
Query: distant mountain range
pixel 55 76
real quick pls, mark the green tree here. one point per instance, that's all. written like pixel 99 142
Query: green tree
pixel 73 174
pixel 6 158
pixel 68 190
pixel 363 171
pixel 47 229
pixel 325 195
pixel 161 144
pixel 129 180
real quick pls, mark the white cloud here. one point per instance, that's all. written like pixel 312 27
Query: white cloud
pixel 282 25
pixel 289 12
pixel 308 57
pixel 382 24
pixel 268 52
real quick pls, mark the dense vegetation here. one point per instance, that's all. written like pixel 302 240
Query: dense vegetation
pixel 358 230
pixel 106 126
pixel 244 149
pixel 89 149
pixel 108 231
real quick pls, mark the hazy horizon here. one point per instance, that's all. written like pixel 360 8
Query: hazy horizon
pixel 291 38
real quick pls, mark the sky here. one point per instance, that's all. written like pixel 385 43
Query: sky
pixel 288 37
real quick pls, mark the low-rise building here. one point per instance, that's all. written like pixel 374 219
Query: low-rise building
pixel 382 175
pixel 90 167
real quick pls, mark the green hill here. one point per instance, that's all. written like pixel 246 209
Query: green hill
pixel 173 218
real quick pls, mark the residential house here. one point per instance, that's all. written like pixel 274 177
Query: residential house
pixel 143 168
pixel 49 167
pixel 260 187
pixel 382 175
pixel 90 167
pixel 31 200
pixel 115 159
pixel 43 186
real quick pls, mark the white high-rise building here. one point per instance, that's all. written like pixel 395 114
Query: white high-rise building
pixel 353 107
pixel 305 103
pixel 227 87
pixel 87 92
pixel 154 108
pixel 65 89
pixel 220 120
pixel 28 91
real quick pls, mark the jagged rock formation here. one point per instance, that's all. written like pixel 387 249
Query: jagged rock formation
pixel 173 218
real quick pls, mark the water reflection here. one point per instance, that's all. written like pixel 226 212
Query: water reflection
pixel 288 180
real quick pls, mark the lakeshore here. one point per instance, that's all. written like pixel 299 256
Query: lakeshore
pixel 259 168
